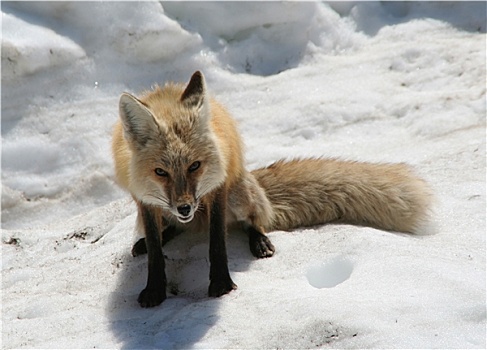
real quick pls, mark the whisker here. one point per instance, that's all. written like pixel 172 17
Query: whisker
pixel 164 202
pixel 200 208
pixel 203 191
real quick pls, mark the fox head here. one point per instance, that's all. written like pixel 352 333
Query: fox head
pixel 175 159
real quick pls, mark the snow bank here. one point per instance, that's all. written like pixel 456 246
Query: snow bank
pixel 393 82
pixel 28 48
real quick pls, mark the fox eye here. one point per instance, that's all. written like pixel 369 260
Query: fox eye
pixel 161 172
pixel 194 166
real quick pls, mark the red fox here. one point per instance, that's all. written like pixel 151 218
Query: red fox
pixel 177 151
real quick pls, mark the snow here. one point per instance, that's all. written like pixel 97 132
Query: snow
pixel 373 81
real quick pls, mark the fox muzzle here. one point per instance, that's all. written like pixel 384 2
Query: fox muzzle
pixel 184 210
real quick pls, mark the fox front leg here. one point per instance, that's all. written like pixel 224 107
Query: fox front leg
pixel 155 291
pixel 140 248
pixel 220 281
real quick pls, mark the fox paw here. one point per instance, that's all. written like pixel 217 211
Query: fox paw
pixel 261 246
pixel 139 248
pixel 151 297
pixel 219 288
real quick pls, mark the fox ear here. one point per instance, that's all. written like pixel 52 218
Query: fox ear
pixel 138 123
pixel 195 93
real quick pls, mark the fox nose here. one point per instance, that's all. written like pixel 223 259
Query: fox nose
pixel 184 209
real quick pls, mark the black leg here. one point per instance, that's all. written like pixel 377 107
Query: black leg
pixel 220 280
pixel 139 248
pixel 260 245
pixel 155 291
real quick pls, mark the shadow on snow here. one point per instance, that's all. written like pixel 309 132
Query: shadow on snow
pixel 184 318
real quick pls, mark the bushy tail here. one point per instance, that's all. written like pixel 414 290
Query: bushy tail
pixel 309 192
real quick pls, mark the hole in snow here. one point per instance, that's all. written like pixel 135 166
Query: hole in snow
pixel 329 274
